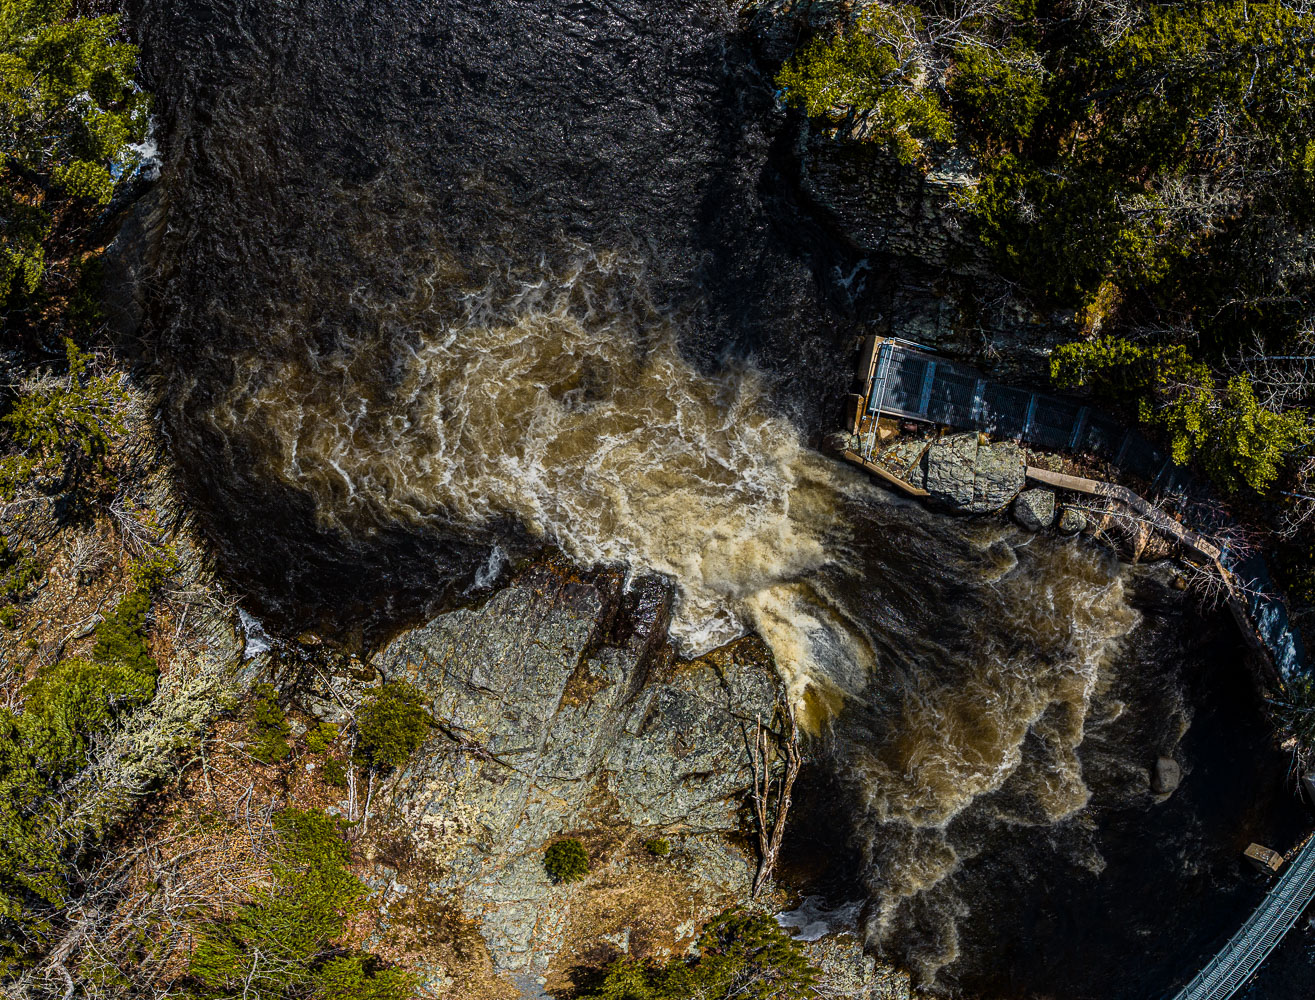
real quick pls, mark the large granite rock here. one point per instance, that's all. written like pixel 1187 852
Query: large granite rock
pixel 970 477
pixel 1035 509
pixel 950 470
pixel 560 712
pixel 1166 776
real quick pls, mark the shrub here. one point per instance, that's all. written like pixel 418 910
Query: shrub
pixel 66 706
pixel 121 637
pixel 284 942
pixel 1239 442
pixel 997 95
pixel 64 426
pixel 739 954
pixel 659 847
pixel 566 860
pixel 319 737
pixel 269 727
pixel 69 108
pixel 1169 154
pixel 1249 444
pixel 18 573
pixel 68 702
pixel 334 772
pixel 392 725
pixel 361 977
pixel 1294 711
pixel 152 568
pixel 868 74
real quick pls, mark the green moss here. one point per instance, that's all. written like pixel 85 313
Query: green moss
pixel 319 737
pixel 269 727
pixel 121 636
pixel 566 860
pixel 335 773
pixel 392 725
pixel 151 570
pixel 659 847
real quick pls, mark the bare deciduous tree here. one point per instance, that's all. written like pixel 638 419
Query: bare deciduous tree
pixel 771 796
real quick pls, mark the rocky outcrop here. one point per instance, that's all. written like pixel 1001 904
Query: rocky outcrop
pixel 850 972
pixel 560 714
pixel 1035 509
pixel 968 476
pixel 1166 777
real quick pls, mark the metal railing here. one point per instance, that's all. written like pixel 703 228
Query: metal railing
pixel 1247 950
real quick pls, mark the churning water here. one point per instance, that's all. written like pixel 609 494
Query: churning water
pixel 436 283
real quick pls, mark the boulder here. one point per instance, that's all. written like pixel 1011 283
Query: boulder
pixel 970 477
pixel 950 470
pixel 1071 521
pixel 1166 777
pixel 1035 509
pixel 1000 475
pixel 849 971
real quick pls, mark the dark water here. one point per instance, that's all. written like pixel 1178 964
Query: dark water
pixel 438 283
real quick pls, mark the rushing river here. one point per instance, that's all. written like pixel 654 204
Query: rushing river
pixel 438 283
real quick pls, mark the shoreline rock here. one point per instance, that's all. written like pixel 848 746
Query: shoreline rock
pixel 1034 509
pixel 971 477
pixel 561 713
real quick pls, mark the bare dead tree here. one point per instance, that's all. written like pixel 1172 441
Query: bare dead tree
pixel 137 530
pixel 86 556
pixel 130 930
pixel 1191 206
pixel 1280 381
pixel 771 797
pixel 1297 510
pixel 1112 19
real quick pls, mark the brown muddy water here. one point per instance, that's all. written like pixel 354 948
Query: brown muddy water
pixel 437 284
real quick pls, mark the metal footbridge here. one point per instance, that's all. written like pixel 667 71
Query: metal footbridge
pixel 1246 950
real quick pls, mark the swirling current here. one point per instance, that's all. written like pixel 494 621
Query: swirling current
pixel 431 285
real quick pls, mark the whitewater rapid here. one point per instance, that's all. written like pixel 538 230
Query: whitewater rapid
pixel 567 407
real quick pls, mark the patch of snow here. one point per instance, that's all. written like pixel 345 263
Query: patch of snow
pixel 813 920
pixel 257 639
pixel 487 575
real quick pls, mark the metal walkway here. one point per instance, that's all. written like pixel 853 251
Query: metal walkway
pixel 1229 970
pixel 902 379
